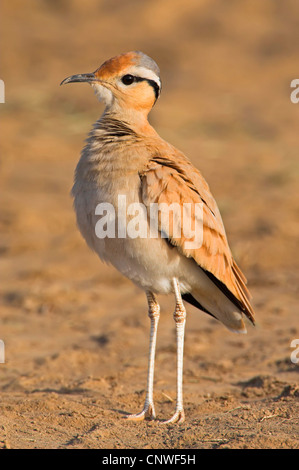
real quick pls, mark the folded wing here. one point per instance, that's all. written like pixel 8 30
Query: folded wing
pixel 173 179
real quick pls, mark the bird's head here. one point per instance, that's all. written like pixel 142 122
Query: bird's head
pixel 128 81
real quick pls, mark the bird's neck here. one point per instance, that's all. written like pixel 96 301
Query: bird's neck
pixel 135 119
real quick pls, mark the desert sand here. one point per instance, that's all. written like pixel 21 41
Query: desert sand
pixel 75 331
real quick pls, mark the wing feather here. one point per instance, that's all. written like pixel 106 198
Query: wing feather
pixel 173 179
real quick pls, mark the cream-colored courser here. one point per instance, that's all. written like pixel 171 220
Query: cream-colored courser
pixel 125 156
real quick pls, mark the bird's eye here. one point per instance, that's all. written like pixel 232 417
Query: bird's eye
pixel 127 79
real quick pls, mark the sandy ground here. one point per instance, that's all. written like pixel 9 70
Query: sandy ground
pixel 75 331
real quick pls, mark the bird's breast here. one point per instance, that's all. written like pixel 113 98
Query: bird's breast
pixel 115 224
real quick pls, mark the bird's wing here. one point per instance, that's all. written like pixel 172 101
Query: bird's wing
pixel 173 179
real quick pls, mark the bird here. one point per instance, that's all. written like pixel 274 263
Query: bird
pixel 125 159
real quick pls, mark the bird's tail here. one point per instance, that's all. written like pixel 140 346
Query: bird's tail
pixel 224 310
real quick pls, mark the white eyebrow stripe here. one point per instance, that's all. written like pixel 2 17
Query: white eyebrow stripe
pixel 143 72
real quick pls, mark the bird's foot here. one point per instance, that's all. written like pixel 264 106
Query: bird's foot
pixel 178 417
pixel 147 412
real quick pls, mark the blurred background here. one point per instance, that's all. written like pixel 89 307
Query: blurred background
pixel 75 331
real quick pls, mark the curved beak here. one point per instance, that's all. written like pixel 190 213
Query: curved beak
pixel 80 77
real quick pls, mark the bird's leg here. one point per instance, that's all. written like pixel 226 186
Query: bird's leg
pixel 180 320
pixel 154 315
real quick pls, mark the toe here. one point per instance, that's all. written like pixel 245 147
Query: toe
pixel 178 417
pixel 147 412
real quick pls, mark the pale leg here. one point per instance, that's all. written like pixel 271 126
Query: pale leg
pixel 154 315
pixel 180 320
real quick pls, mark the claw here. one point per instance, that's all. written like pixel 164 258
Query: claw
pixel 147 412
pixel 178 417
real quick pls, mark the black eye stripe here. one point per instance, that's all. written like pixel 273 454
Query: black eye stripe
pixel 151 83
pixel 129 79
pixel 155 87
